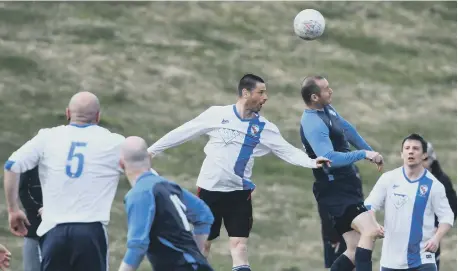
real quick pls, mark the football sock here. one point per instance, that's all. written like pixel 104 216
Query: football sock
pixel 241 268
pixel 363 259
pixel 342 263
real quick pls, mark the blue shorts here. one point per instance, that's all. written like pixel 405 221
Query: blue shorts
pixel 76 247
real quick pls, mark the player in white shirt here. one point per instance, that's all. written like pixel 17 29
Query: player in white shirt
pixel 79 173
pixel 410 196
pixel 237 134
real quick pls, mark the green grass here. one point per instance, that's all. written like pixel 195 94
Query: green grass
pixel 155 65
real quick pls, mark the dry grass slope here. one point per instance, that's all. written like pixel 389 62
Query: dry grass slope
pixel 157 64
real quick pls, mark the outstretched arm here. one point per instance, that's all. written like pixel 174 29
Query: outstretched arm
pixel 191 129
pixel 273 139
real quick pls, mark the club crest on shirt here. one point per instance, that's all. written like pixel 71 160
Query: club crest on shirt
pixel 399 200
pixel 422 190
pixel 254 129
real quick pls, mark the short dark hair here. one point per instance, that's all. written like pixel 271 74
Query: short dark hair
pixel 416 137
pixel 309 87
pixel 249 82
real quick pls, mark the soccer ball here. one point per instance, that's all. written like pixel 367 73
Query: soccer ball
pixel 309 24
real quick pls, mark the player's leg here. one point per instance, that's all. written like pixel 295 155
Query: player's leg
pixel 214 232
pixel 54 248
pixel 358 253
pixel 342 247
pixel 89 245
pixel 366 224
pixel 30 254
pixel 333 242
pixel 238 221
pixel 346 260
pixel 213 201
pixel 332 251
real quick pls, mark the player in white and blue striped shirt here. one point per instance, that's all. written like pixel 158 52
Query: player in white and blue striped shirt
pixel 411 196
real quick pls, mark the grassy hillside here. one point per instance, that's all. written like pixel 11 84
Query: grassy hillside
pixel 155 65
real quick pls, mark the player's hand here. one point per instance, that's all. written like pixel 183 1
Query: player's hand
pixel 321 161
pixel 375 158
pixel 381 232
pixel 372 155
pixel 432 245
pixel 18 222
pixel 378 160
pixel 5 258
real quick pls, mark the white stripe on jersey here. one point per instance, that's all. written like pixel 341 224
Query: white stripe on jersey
pixel 79 172
pixel 233 144
pixel 409 207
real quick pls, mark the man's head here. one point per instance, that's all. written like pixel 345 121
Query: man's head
pixel 414 150
pixel 252 90
pixel 84 107
pixel 430 157
pixel 315 91
pixel 134 155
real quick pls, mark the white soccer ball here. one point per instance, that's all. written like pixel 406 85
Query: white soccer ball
pixel 309 24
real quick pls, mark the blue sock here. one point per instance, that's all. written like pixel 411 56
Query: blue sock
pixel 241 268
pixel 342 263
pixel 363 259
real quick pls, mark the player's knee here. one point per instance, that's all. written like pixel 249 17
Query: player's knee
pixel 366 225
pixel 372 232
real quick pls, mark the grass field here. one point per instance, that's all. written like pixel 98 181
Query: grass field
pixel 155 65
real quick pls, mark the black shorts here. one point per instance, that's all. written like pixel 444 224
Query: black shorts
pixel 342 223
pixel 233 208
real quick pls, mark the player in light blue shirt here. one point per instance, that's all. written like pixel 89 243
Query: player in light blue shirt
pixel 166 223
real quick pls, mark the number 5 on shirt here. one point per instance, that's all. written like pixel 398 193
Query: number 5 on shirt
pixel 72 155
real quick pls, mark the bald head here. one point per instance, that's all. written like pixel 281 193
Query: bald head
pixel 84 107
pixel 134 153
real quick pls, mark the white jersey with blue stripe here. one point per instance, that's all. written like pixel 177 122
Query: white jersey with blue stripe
pixel 409 207
pixel 233 144
pixel 79 172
